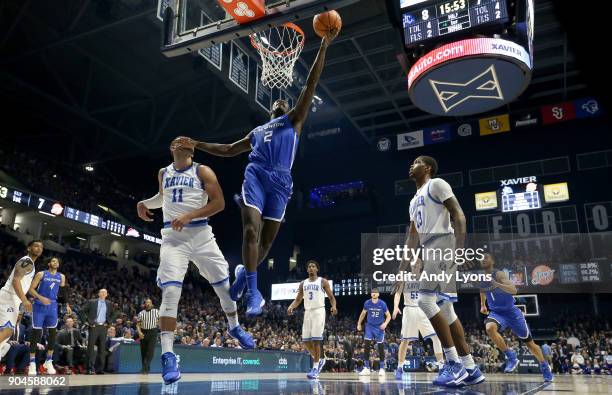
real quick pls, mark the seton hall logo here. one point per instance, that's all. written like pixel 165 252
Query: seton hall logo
pixel 483 86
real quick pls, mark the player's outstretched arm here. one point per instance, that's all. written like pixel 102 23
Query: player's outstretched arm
pixel 144 206
pixel 216 201
pixel 22 267
pixel 330 295
pixel 298 114
pixel 32 291
pixel 298 299
pixel 226 150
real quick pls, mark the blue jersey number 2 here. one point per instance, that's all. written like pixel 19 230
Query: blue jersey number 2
pixel 268 136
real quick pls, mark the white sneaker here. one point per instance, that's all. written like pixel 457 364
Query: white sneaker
pixel 381 372
pixel 4 348
pixel 32 369
pixel 49 367
pixel 365 372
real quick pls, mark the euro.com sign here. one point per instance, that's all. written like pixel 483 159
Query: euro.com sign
pixel 288 291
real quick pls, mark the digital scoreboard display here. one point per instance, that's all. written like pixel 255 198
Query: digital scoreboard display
pixel 423 21
pixel 352 286
pixel 520 201
pixel 576 273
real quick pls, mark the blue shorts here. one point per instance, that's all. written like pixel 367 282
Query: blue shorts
pixel 267 190
pixel 513 319
pixel 44 316
pixel 373 332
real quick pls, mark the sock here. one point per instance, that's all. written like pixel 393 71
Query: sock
pixel 232 321
pixel 451 354
pixel 49 357
pixel 251 280
pixel 167 340
pixel 509 353
pixel 468 361
pixel 367 364
pixel 32 359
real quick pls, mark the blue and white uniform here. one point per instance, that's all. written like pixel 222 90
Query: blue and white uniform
pixel 268 185
pixel 503 312
pixel 45 316
pixel 433 224
pixel 184 191
pixel 374 319
pixel 314 310
pixel 9 301
pixel 414 319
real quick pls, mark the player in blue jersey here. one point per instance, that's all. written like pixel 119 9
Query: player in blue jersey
pixel 378 318
pixel 45 289
pixel 502 314
pixel 267 184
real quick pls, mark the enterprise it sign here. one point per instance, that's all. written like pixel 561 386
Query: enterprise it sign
pixel 237 361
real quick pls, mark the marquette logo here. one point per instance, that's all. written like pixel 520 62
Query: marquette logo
pixel 494 125
pixel 483 86
pixel 486 200
pixel 556 192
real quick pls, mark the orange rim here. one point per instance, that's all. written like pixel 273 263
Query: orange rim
pixel 283 53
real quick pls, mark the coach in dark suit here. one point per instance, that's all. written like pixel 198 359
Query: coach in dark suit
pixel 98 314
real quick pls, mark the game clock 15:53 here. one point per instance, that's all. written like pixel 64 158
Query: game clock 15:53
pixel 452 6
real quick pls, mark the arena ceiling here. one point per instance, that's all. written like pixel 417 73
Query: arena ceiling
pixel 88 77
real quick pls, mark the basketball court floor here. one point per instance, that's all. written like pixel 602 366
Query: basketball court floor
pixel 328 383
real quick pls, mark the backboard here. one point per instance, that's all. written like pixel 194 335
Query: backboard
pixel 190 25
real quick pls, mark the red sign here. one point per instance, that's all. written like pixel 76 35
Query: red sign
pixel 558 113
pixel 244 11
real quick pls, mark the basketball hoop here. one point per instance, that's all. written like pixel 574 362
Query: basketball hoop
pixel 279 48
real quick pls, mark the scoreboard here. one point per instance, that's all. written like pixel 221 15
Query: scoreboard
pixel 520 201
pixel 40 203
pixel 54 208
pixel 576 273
pixel 427 20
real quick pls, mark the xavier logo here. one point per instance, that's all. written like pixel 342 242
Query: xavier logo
pixel 483 86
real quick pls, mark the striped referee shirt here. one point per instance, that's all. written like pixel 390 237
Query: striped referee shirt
pixel 148 319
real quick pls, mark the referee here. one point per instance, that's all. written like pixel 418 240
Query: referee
pixel 148 321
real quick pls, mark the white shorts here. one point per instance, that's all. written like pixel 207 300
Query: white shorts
pixel 9 311
pixel 313 325
pixel 415 321
pixel 196 244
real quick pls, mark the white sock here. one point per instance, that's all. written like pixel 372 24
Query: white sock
pixel 401 365
pixel 468 361
pixel 451 354
pixel 167 340
pixel 232 321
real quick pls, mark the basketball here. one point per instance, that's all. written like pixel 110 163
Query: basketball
pixel 326 22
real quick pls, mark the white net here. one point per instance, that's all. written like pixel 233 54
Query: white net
pixel 279 48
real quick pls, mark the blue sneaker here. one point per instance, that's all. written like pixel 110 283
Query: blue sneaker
pixel 254 303
pixel 170 371
pixel 512 362
pixel 475 376
pixel 545 369
pixel 399 372
pixel 237 288
pixel 243 337
pixel 313 374
pixel 452 375
pixel 321 364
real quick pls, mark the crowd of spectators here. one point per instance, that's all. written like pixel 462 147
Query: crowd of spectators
pixel 582 347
